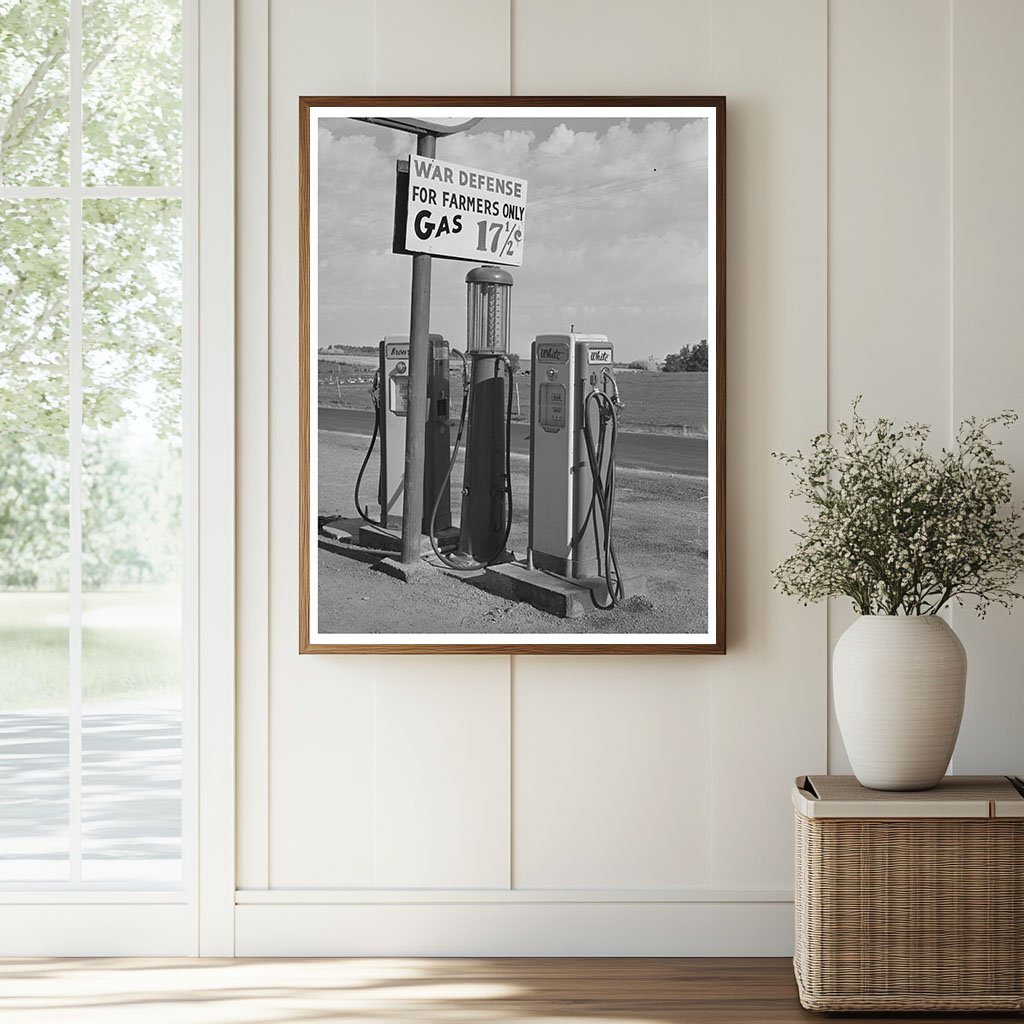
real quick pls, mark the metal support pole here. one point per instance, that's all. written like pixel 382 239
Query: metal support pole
pixel 415 428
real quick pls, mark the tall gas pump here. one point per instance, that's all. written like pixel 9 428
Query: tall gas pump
pixel 487 480
pixel 391 403
pixel 574 422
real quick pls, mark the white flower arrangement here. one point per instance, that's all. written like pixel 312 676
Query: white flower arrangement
pixel 900 530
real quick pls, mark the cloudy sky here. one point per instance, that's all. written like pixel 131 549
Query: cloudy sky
pixel 616 231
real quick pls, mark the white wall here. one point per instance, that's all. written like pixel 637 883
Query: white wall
pixel 542 805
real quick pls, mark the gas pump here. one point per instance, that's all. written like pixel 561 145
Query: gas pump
pixel 487 478
pixel 390 393
pixel 574 413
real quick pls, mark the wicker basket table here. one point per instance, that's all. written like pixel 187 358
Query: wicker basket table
pixel 910 901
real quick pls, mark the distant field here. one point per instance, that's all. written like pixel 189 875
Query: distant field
pixel 654 402
pixel 658 399
pixel 350 359
pixel 130 647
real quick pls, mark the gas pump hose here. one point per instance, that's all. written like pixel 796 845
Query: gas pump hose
pixel 375 394
pixel 472 565
pixel 602 502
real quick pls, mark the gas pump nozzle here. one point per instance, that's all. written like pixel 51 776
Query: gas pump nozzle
pixel 610 378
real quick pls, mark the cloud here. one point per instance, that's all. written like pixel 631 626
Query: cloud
pixel 616 231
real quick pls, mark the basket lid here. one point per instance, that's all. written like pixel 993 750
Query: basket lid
pixel 957 796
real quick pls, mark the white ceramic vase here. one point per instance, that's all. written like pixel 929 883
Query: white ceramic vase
pixel 898 684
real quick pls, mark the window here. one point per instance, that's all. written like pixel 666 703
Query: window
pixel 95 471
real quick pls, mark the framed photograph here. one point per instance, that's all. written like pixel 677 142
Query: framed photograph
pixel 512 375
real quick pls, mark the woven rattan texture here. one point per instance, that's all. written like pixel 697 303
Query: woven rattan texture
pixel 960 787
pixel 910 914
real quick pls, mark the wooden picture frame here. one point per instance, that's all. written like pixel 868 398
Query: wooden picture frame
pixel 345 197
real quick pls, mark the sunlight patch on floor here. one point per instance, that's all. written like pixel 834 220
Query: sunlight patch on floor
pixel 186 991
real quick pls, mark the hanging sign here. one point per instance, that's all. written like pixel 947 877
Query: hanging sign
pixel 462 213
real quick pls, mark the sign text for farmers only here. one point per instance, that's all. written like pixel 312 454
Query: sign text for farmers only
pixel 464 213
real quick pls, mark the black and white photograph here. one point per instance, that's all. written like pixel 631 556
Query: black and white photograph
pixel 512 375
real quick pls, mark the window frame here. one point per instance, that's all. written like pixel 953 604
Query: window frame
pixel 113 918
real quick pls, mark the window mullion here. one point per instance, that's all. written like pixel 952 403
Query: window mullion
pixel 94 191
pixel 75 333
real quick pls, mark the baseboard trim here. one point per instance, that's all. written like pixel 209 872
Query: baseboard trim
pixel 348 897
pixel 73 930
pixel 515 928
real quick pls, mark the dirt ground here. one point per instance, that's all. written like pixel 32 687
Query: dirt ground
pixel 660 532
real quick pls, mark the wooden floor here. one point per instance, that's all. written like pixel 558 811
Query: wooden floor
pixel 412 991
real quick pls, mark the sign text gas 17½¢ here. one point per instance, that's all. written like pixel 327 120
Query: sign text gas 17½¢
pixel 465 213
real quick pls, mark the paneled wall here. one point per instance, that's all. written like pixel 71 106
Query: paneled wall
pixel 544 805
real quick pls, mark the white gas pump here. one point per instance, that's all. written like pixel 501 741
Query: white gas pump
pixel 390 392
pixel 574 420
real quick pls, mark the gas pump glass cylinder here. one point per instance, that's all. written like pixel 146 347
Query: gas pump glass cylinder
pixel 487 306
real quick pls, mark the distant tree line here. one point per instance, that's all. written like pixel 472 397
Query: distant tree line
pixel 689 359
pixel 362 350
